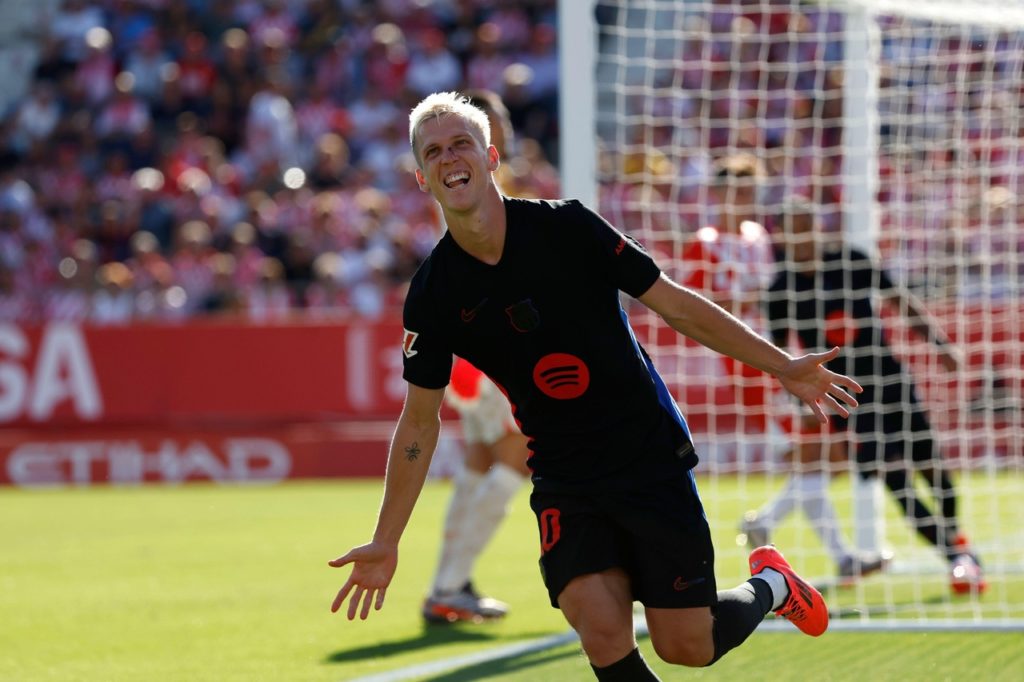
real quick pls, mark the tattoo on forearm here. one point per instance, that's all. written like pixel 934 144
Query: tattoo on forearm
pixel 412 452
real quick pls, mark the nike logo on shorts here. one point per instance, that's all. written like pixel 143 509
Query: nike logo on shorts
pixel 679 585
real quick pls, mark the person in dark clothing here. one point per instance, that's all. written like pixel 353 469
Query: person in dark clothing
pixel 528 292
pixel 825 292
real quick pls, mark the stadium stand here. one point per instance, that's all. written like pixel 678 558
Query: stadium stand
pixel 167 160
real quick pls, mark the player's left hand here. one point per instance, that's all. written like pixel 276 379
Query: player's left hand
pixel 807 379
pixel 373 567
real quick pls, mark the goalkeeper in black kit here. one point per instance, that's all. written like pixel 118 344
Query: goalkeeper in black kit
pixel 826 294
pixel 528 292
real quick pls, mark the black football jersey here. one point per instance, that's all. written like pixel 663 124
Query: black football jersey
pixel 835 307
pixel 546 325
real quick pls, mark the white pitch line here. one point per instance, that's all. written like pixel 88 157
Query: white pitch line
pixel 455 662
pixel 486 656
pixel 640 625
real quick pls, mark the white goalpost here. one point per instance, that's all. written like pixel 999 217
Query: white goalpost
pixel 898 122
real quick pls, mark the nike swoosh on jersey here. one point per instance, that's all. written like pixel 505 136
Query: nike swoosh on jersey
pixel 468 315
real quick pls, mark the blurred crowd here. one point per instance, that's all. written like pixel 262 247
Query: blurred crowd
pixel 179 158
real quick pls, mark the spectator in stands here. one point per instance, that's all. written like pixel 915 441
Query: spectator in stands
pixel 71 24
pixel 193 260
pixel 433 67
pixel 541 55
pixel 124 115
pixel 146 63
pixel 326 298
pixel 152 213
pixel 271 298
pixel 36 118
pixel 130 24
pixel 276 20
pixel 196 74
pixel 316 115
pixel 68 299
pixel 94 74
pixel 271 131
pixel 372 114
pixel 486 66
pixel 113 302
pixel 387 61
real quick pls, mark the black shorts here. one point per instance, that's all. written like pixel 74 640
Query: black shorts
pixel 895 430
pixel 658 535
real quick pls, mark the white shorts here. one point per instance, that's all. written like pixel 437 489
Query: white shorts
pixel 489 418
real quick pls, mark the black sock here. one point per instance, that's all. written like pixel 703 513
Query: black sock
pixel 915 511
pixel 631 668
pixel 738 613
pixel 945 497
pixel 946 492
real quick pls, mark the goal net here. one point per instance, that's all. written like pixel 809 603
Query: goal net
pixel 719 127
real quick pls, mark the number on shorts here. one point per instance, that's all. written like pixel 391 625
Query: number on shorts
pixel 550 529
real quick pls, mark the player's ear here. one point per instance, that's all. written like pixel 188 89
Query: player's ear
pixel 493 158
pixel 421 181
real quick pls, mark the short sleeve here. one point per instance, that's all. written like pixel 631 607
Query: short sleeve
pixel 632 269
pixel 426 354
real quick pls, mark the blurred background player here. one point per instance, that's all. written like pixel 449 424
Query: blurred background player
pixel 733 264
pixel 496 452
pixel 494 470
pixel 825 294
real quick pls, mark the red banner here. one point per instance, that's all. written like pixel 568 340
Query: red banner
pixel 234 402
pixel 122 456
pixel 201 372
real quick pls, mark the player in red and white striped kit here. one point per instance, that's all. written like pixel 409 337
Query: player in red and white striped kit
pixel 496 453
pixel 495 469
pixel 732 264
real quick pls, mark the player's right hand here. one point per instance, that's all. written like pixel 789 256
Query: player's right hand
pixel 373 567
pixel 807 378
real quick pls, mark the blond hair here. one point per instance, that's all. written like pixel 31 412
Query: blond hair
pixel 444 104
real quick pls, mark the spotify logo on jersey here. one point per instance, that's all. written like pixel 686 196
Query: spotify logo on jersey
pixel 561 376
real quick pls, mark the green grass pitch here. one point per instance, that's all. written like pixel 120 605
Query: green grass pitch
pixel 232 583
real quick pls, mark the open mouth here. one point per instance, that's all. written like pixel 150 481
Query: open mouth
pixel 456 179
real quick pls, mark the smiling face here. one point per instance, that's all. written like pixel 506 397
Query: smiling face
pixel 455 165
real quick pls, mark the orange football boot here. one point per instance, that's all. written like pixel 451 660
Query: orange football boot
pixel 805 607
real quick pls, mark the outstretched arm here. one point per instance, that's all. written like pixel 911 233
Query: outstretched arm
pixel 805 376
pixel 374 564
pixel 924 325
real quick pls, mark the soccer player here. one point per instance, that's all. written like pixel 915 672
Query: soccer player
pixel 494 470
pixel 528 291
pixel 731 262
pixel 826 294
pixel 496 451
